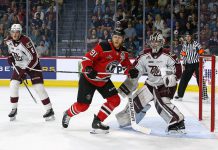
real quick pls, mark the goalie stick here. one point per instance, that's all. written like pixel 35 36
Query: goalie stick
pixel 132 114
pixel 34 99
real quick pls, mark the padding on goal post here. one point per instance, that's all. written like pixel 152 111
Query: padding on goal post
pixel 204 76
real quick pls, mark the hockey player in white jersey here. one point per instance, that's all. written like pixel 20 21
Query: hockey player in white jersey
pixel 163 70
pixel 23 56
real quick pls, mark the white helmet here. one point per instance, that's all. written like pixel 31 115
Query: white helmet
pixel 156 42
pixel 16 27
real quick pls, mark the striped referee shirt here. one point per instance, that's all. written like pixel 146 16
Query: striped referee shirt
pixel 191 50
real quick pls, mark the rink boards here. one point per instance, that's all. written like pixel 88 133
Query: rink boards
pixel 71 80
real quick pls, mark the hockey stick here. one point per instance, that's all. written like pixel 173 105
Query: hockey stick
pixel 25 84
pixel 134 125
pixel 107 73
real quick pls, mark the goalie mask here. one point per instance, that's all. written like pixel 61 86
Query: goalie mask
pixel 156 42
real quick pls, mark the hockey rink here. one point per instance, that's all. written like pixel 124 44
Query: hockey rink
pixel 30 131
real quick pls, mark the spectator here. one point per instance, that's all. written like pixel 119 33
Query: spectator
pixel 130 32
pixel 119 15
pixel 107 24
pixel 2 32
pixel 206 49
pixel 21 16
pixel 95 23
pixel 177 47
pixel 41 13
pixel 108 11
pixel 106 37
pixel 139 30
pixel 166 32
pixel 130 47
pixel 35 35
pixel 92 39
pixel 37 22
pixel 46 40
pixel 213 42
pixel 14 20
pixel 99 8
pixel 149 22
pixel 51 23
pixel 42 50
pixel 5 21
pixel 158 23
pixel 10 15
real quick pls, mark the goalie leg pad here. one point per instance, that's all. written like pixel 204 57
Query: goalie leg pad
pixel 168 111
pixel 141 98
pixel 123 117
pixel 127 87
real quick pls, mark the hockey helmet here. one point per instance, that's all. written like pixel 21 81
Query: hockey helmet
pixel 156 42
pixel 16 27
pixel 119 32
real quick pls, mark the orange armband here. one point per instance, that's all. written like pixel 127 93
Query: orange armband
pixel 183 53
pixel 201 51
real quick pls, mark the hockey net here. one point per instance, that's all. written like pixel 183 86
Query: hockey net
pixel 207 89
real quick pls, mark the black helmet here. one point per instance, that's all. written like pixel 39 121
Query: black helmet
pixel 119 32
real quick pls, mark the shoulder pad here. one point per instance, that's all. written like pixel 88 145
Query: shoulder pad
pixel 105 46
pixel 166 51
pixel 147 50
pixel 26 41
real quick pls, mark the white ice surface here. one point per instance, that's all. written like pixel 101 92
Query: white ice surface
pixel 31 132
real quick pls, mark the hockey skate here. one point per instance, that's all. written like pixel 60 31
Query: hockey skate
pixel 177 98
pixel 65 120
pixel 98 127
pixel 49 115
pixel 177 128
pixel 13 114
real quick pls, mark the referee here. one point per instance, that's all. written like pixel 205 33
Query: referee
pixel 191 50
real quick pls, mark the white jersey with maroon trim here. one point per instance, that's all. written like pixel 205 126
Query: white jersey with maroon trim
pixel 153 63
pixel 23 51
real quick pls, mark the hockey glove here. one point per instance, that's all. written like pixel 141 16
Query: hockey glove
pixel 170 80
pixel 11 60
pixel 133 73
pixel 91 73
pixel 21 74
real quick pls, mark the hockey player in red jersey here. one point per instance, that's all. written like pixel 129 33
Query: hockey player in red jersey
pixel 23 56
pixel 104 57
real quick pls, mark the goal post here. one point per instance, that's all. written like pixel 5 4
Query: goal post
pixel 208 74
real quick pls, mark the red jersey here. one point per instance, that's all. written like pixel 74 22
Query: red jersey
pixel 105 58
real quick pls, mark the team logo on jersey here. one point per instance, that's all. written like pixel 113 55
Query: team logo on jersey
pixel 17 57
pixel 29 45
pixel 155 71
pixel 111 66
